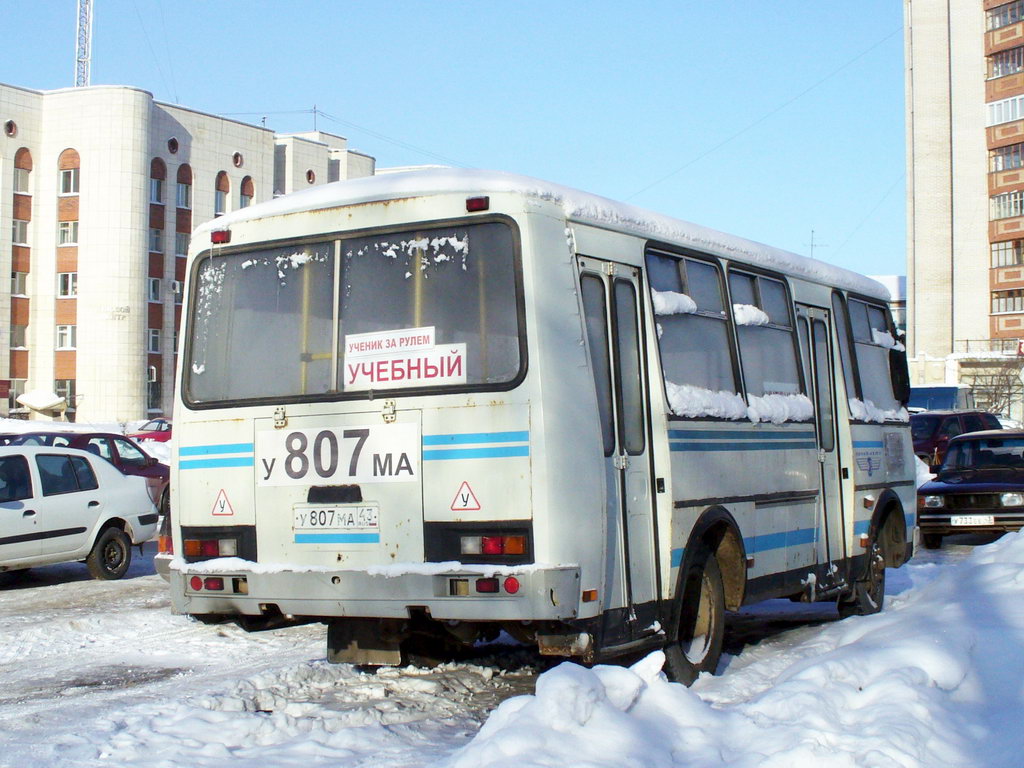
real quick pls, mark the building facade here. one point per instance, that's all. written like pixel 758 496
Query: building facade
pixel 965 196
pixel 100 189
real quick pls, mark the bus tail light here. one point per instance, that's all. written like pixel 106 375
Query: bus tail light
pixel 489 585
pixel 493 545
pixel 220 236
pixel 210 547
pixel 511 585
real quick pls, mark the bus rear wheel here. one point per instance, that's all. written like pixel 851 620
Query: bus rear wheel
pixel 698 644
pixel 868 593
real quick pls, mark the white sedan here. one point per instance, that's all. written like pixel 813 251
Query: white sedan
pixel 61 504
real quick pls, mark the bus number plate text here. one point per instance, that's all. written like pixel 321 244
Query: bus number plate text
pixel 354 454
pixel 334 518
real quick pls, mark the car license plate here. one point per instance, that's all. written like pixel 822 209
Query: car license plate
pixel 972 520
pixel 332 517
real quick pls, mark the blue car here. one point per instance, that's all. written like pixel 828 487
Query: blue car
pixel 979 487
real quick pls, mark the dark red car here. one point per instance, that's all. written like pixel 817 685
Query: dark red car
pixel 932 430
pixel 119 450
pixel 154 429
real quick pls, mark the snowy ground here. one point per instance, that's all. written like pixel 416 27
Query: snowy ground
pixel 101 674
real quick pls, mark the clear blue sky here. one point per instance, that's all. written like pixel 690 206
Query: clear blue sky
pixel 764 119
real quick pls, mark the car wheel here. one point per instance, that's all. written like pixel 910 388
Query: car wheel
pixel 931 540
pixel 698 644
pixel 111 555
pixel 165 503
pixel 868 593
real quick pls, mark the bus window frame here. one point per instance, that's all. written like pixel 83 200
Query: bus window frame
pixel 845 298
pixel 333 237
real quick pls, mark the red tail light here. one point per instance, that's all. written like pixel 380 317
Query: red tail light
pixel 511 585
pixel 196 583
pixel 214 583
pixel 487 585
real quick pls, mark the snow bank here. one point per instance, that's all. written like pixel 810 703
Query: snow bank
pixel 935 680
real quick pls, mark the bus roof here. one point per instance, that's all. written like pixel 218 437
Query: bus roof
pixel 577 206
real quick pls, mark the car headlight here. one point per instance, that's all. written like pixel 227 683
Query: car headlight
pixel 1011 499
pixel 931 502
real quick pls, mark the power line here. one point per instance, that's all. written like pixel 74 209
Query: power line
pixel 767 115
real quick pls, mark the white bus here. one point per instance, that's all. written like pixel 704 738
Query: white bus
pixel 426 407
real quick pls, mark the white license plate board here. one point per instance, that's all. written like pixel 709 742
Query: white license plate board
pixel 336 524
pixel 972 520
pixel 370 453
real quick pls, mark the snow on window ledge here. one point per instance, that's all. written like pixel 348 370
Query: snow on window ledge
pixel 885 339
pixel 868 411
pixel 778 408
pixel 690 401
pixel 748 314
pixel 672 303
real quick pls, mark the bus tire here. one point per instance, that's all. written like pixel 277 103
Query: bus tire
pixel 868 593
pixel 111 555
pixel 698 644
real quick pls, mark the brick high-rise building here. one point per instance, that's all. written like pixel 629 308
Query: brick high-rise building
pixel 965 195
pixel 100 188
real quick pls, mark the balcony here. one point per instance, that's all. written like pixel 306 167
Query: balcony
pixel 1004 87
pixel 1004 37
pixel 986 347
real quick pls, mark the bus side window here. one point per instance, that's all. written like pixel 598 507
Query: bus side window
pixel 872 342
pixel 767 343
pixel 845 355
pixel 596 316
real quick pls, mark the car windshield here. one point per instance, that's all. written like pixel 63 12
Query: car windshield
pixel 922 427
pixel 992 453
pixel 153 426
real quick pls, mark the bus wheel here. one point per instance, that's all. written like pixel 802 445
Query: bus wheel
pixel 931 540
pixel 698 645
pixel 868 593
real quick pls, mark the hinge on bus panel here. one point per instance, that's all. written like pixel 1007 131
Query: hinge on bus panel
pixel 388 411
pixel 621 461
pixel 821 455
pixel 609 268
pixel 280 419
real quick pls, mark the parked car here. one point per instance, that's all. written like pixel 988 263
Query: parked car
pixel 154 429
pixel 60 504
pixel 979 488
pixel 932 430
pixel 119 450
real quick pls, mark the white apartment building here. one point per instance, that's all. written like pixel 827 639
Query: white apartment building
pixel 965 196
pixel 100 188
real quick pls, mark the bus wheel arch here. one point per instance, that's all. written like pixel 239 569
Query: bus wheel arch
pixel 889 529
pixel 711 580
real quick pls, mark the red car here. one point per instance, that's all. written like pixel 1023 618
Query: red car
pixel 120 451
pixel 154 429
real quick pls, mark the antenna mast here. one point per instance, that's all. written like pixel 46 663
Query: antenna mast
pixel 83 47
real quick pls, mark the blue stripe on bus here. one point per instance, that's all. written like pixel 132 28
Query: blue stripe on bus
pixel 867 444
pixel 736 434
pixel 861 527
pixel 337 538
pixel 476 437
pixel 780 540
pixel 742 446
pixel 496 452
pixel 226 461
pixel 205 450
pixel 677 556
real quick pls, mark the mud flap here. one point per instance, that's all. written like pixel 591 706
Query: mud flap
pixel 364 641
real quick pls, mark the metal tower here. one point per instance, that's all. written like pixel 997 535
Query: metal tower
pixel 83 52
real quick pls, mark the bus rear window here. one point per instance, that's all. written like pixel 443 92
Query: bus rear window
pixel 427 308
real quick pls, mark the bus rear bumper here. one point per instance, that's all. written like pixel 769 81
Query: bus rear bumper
pixel 459 593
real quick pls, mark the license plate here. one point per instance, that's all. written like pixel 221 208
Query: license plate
pixel 972 520
pixel 331 517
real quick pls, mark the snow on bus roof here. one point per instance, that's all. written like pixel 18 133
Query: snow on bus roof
pixel 577 206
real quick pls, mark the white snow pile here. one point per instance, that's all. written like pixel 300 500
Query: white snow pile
pixel 865 410
pixel 779 408
pixel 748 314
pixel 885 339
pixel 690 401
pixel 937 679
pixel 672 303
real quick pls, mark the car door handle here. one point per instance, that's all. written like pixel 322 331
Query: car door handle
pixel 28 513
pixel 94 503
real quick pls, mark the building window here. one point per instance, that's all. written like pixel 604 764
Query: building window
pixel 156 240
pixel 69 181
pixel 67 233
pixel 181 240
pixel 1006 110
pixel 1004 15
pixel 153 395
pixel 18 336
pixel 184 197
pixel 153 342
pixel 1008 254
pixel 246 192
pixel 1007 301
pixel 154 289
pixel 21 180
pixel 244 200
pixel 19 283
pixel 220 202
pixel 19 232
pixel 1007 62
pixel 67 285
pixel 65 388
pixel 1006 158
pixel 1007 205
pixel 156 191
pixel 67 336
pixel 17 389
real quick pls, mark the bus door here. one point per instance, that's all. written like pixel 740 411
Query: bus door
pixel 611 303
pixel 819 371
